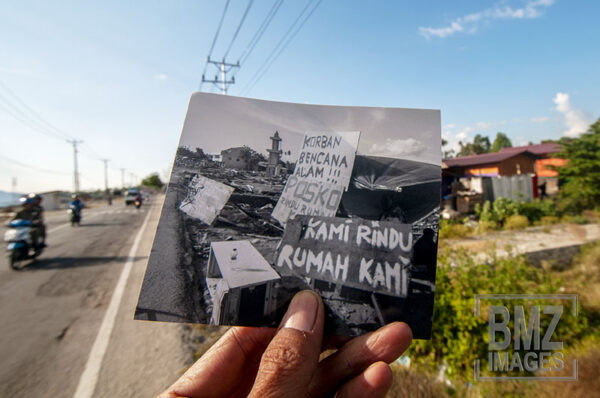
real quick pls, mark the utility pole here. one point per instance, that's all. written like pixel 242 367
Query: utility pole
pixel 14 190
pixel 224 68
pixel 122 178
pixel 106 190
pixel 75 168
pixel 105 173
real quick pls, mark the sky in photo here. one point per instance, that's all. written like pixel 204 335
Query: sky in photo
pixel 216 122
pixel 119 75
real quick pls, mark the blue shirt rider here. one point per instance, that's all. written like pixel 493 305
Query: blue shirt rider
pixel 76 202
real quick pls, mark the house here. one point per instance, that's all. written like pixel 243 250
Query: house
pixel 55 200
pixel 529 159
pixel 544 153
pixel 240 281
pixel 233 158
pixel 501 174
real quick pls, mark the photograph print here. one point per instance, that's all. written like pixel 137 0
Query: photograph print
pixel 269 198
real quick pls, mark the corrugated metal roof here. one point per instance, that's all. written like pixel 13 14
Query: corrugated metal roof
pixel 485 158
pixel 538 149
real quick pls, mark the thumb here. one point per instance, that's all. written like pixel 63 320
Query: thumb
pixel 289 362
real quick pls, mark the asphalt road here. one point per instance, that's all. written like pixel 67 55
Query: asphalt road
pixel 66 321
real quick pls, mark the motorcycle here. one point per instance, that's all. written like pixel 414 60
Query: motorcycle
pixel 138 203
pixel 75 215
pixel 20 243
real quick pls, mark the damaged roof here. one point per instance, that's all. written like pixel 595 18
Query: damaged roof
pixel 241 264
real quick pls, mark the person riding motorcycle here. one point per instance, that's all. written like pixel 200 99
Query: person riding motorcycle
pixel 76 202
pixel 75 207
pixel 37 207
pixel 31 213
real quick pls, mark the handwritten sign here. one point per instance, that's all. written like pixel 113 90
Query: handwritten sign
pixel 368 255
pixel 205 198
pixel 321 176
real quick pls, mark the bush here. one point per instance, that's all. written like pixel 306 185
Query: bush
pixel 497 212
pixel 577 219
pixel 549 220
pixel 516 222
pixel 486 226
pixel 450 230
pixel 534 211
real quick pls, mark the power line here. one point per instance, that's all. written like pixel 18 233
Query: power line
pixel 289 40
pixel 21 164
pixel 40 120
pixel 279 48
pixel 22 117
pixel 212 47
pixel 260 32
pixel 238 28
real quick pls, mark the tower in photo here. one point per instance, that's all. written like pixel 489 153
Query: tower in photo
pixel 273 167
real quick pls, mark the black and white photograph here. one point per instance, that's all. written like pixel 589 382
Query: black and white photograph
pixel 269 198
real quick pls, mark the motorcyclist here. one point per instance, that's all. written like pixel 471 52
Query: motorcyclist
pixel 31 213
pixel 76 202
pixel 37 207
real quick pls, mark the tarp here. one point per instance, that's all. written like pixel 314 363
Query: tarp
pixel 400 189
pixel 375 172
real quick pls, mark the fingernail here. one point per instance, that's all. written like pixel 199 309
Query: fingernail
pixel 302 312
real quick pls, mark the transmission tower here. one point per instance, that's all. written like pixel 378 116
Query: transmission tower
pixel 224 68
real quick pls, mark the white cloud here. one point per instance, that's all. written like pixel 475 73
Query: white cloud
pixel 469 23
pixel 464 133
pixel 398 147
pixel 441 32
pixel 449 126
pixel 576 120
pixel 160 76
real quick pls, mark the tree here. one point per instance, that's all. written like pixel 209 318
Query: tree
pixel 199 154
pixel 501 141
pixel 480 144
pixel 153 181
pixel 446 154
pixel 580 177
pixel 251 157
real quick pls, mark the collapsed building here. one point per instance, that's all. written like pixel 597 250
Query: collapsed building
pixel 380 189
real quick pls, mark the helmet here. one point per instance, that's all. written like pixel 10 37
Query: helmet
pixel 35 196
pixel 26 200
pixel 74 196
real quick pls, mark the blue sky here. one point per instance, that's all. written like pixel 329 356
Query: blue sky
pixel 119 75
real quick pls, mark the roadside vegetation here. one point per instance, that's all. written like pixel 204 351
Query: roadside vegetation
pixel 505 214
pixel 443 366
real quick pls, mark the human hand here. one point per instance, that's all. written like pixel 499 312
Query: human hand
pixel 262 362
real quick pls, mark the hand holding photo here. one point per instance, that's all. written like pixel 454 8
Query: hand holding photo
pixel 267 199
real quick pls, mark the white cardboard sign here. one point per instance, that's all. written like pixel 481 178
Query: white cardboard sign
pixel 321 176
pixel 206 199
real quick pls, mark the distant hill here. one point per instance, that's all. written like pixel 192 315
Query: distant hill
pixel 9 198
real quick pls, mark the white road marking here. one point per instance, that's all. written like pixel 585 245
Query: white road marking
pixel 89 377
